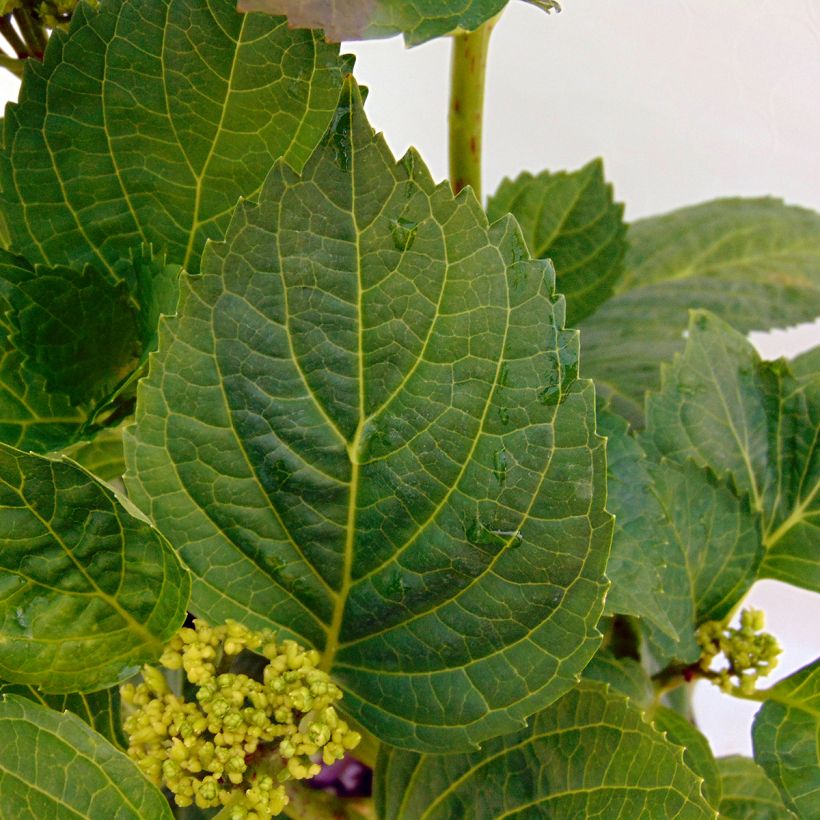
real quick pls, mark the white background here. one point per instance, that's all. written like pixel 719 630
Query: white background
pixel 686 100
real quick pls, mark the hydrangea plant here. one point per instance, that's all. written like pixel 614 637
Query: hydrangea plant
pixel 315 500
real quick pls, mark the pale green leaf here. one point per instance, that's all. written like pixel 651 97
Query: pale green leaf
pixel 100 710
pixel 88 591
pixel 54 766
pixel 418 20
pixel 590 754
pixel 753 262
pixel 149 119
pixel 103 455
pixel 573 220
pixel 747 793
pixel 365 427
pixel 753 422
pixel 786 736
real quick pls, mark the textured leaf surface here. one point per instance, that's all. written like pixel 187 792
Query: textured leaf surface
pixel 54 766
pixel 625 675
pixel 100 710
pixel 573 220
pixel 747 793
pixel 590 754
pixel 88 592
pixel 418 20
pixel 786 736
pixel 174 109
pixel 103 456
pixel 366 427
pixel 752 421
pixel 753 262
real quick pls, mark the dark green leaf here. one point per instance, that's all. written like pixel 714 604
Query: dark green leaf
pixel 54 766
pixel 377 441
pixel 747 793
pixel 753 262
pixel 88 591
pixel 785 735
pixel 590 754
pixel 418 20
pixel 572 219
pixel 100 710
pixel 751 421
pixel 149 119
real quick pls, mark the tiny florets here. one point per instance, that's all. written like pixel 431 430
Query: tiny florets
pixel 250 727
pixel 750 652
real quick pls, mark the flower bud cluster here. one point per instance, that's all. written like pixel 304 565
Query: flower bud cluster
pixel 244 735
pixel 750 652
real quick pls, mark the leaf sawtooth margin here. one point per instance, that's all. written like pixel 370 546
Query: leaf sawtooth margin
pixel 365 428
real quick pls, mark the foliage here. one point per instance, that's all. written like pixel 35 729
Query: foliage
pixel 346 408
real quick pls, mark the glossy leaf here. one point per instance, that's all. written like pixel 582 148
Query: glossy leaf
pixel 573 220
pixel 785 735
pixel 753 262
pixel 366 428
pixel 54 765
pixel 89 591
pixel 148 120
pixel 590 754
pixel 418 20
pixel 751 421
pixel 100 710
pixel 747 793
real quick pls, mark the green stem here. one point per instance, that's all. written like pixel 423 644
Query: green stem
pixel 14 65
pixel 468 72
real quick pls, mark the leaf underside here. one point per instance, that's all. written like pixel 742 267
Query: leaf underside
pixel 54 765
pixel 418 20
pixel 366 428
pixel 747 793
pixel 590 754
pixel 88 592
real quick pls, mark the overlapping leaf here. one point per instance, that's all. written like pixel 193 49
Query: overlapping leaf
pixel 89 591
pixel 786 735
pixel 100 710
pixel 686 546
pixel 747 793
pixel 590 754
pixel 418 20
pixel 54 765
pixel 573 220
pixel 751 421
pixel 366 427
pixel 148 120
pixel 755 263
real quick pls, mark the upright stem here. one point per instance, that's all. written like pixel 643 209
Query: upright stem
pixel 467 106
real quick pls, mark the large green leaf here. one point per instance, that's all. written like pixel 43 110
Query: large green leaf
pixel 418 20
pixel 365 427
pixel 752 421
pixel 572 219
pixel 100 710
pixel 149 119
pixel 54 766
pixel 747 793
pixel 754 262
pixel 786 735
pixel 590 754
pixel 88 591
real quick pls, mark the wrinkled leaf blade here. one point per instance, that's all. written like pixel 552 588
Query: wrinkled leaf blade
pixel 54 765
pixel 590 754
pixel 573 220
pixel 174 110
pixel 786 734
pixel 365 427
pixel 89 592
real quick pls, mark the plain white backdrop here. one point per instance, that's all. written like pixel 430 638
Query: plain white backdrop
pixel 686 100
